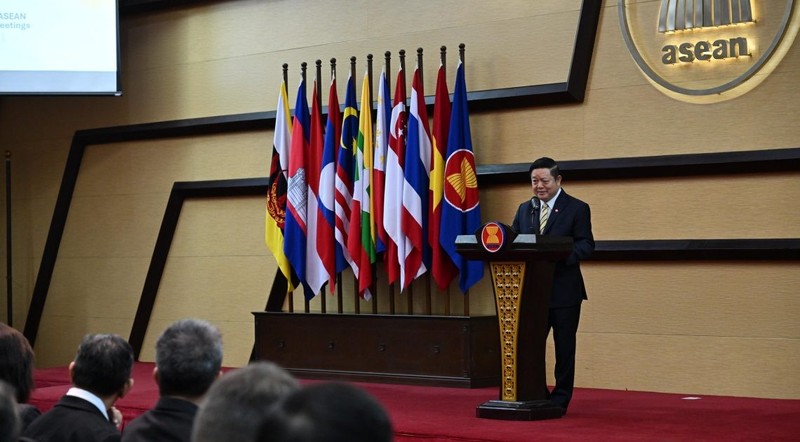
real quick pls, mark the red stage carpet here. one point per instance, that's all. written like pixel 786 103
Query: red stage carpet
pixel 448 414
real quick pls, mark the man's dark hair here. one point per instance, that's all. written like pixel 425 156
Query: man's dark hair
pixel 16 362
pixel 545 163
pixel 328 412
pixel 103 364
pixel 188 357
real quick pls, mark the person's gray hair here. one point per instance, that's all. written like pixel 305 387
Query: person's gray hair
pixel 238 401
pixel 188 358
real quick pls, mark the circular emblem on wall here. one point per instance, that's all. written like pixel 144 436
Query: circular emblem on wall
pixel 706 51
pixel 493 236
pixel 461 181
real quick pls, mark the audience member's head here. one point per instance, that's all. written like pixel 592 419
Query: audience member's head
pixel 328 412
pixel 103 365
pixel 16 362
pixel 188 358
pixel 237 402
pixel 9 420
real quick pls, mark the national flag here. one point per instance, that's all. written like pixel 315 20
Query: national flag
pixel 326 243
pixel 393 200
pixel 379 171
pixel 442 268
pixel 297 192
pixel 316 272
pixel 461 213
pixel 344 176
pixel 361 236
pixel 276 187
pixel 415 186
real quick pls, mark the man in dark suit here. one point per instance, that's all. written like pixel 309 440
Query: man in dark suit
pixel 188 360
pixel 100 374
pixel 552 212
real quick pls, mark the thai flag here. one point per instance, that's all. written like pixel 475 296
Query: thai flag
pixel 415 186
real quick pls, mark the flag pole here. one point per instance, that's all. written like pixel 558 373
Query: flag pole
pixel 427 282
pixel 318 80
pixel 318 98
pixel 374 286
pixel 339 303
pixel 387 60
pixel 443 59
pixel 419 66
pixel 403 69
pixel 289 281
pixel 303 67
pixel 461 47
pixel 356 302
pixel 410 290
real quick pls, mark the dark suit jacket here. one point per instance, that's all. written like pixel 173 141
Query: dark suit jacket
pixel 27 414
pixel 169 421
pixel 72 419
pixel 570 217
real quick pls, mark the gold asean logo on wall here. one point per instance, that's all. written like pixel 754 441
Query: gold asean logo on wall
pixel 706 51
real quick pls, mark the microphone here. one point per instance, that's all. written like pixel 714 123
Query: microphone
pixel 534 208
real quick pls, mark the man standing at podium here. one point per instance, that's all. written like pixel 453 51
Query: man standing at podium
pixel 552 212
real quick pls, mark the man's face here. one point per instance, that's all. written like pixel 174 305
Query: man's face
pixel 544 185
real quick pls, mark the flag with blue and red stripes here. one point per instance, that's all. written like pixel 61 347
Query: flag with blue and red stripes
pixel 294 235
pixel 415 186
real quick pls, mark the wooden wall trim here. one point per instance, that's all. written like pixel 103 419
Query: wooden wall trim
pixel 615 250
pixel 719 163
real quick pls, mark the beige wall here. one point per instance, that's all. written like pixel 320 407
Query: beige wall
pixel 694 327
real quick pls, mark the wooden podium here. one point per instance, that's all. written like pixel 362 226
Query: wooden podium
pixel 522 275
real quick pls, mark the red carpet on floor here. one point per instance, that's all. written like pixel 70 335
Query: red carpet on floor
pixel 448 414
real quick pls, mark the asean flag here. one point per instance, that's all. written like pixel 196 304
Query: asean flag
pixel 461 214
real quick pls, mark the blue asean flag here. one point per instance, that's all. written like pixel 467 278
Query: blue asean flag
pixel 461 212
pixel 294 235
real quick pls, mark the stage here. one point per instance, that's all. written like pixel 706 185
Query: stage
pixel 448 414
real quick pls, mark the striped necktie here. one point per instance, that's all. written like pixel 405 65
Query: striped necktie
pixel 544 214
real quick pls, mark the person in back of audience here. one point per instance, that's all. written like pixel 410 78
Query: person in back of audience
pixel 328 412
pixel 100 375
pixel 237 403
pixel 9 419
pixel 188 360
pixel 16 368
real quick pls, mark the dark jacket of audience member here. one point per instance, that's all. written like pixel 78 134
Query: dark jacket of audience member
pixel 9 418
pixel 188 360
pixel 101 374
pixel 236 404
pixel 328 412
pixel 16 368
